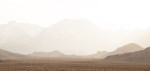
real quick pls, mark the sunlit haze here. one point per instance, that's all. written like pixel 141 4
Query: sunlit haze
pixel 74 35
pixel 79 27
pixel 107 14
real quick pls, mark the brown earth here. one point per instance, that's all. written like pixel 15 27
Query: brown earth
pixel 69 64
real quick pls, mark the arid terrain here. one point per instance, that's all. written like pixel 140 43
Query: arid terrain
pixel 69 64
pixel 74 35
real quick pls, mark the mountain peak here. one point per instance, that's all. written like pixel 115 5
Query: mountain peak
pixel 70 34
pixel 56 52
pixel 131 47
pixel 75 20
pixel 73 23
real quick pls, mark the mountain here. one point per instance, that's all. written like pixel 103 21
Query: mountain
pixel 99 54
pixel 47 54
pixel 8 55
pixel 15 36
pixel 75 36
pixel 13 31
pixel 132 47
pixel 138 56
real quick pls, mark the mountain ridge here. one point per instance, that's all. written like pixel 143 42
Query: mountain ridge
pixel 138 56
pixel 9 55
pixel 131 47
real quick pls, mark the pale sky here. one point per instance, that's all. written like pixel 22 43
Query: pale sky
pixel 108 14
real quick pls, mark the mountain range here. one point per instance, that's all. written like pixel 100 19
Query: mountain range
pixel 17 32
pixel 132 47
pixel 15 36
pixel 140 55
pixel 70 36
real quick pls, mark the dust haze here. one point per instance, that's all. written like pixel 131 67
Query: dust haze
pixel 80 35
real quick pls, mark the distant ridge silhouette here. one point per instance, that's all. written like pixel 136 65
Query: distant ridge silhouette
pixel 138 56
pixel 9 55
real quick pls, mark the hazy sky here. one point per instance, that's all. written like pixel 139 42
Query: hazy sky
pixel 109 14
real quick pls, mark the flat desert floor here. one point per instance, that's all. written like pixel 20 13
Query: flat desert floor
pixel 69 64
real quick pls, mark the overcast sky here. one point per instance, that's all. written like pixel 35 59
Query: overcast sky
pixel 108 14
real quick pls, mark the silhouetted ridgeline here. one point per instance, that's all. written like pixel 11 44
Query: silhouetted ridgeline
pixel 138 56
pixel 131 47
pixel 9 55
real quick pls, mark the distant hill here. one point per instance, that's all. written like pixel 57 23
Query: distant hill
pixel 47 54
pixel 8 55
pixel 100 54
pixel 138 56
pixel 132 47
